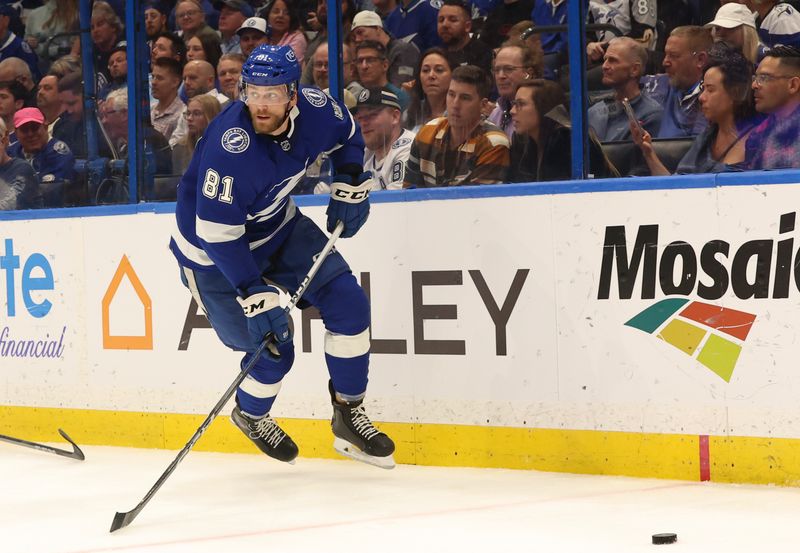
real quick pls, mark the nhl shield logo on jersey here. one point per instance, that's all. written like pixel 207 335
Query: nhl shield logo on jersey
pixel 315 97
pixel 235 140
pixel 286 145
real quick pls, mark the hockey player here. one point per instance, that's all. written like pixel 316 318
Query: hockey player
pixel 238 229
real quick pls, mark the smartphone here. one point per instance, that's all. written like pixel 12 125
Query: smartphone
pixel 631 116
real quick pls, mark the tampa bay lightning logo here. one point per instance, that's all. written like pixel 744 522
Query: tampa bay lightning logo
pixel 315 97
pixel 235 140
pixel 401 142
pixel 363 95
pixel 290 57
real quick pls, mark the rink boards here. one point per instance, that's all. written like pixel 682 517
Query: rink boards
pixel 589 328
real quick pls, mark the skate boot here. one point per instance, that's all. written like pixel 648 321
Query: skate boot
pixel 356 437
pixel 267 435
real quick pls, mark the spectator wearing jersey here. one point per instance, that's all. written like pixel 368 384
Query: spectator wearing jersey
pixel 252 33
pixel 51 159
pixel 778 22
pixel 402 56
pixel 372 68
pixel 429 93
pixel 415 21
pixel 232 14
pixel 685 55
pixel 623 65
pixel 454 26
pixel 12 46
pixel 388 145
pixel 513 64
pixel 461 148
pixel 547 13
pixel 106 32
pixel 229 69
pixel 735 24
pixel 727 103
pixel 634 18
pixel 155 19
pixel 70 127
pixel 166 81
pixel 284 25
pixel 19 188
pixel 776 88
pixel 384 7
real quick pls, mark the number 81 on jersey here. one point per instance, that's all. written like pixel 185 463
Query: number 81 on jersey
pixel 211 187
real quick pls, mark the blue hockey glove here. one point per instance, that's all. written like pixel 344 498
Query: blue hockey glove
pixel 349 204
pixel 264 316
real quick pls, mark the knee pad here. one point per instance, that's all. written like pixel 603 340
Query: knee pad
pixel 266 371
pixel 343 306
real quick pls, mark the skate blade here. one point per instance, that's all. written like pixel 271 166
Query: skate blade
pixel 343 447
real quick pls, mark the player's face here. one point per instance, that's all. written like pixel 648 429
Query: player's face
pixel 32 136
pixel 268 107
pixel 434 75
pixel 463 105
pixel 228 72
pixel 377 124
pixel 524 113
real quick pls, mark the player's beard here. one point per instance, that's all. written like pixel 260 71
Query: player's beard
pixel 269 126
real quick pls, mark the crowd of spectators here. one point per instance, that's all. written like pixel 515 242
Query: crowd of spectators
pixel 446 92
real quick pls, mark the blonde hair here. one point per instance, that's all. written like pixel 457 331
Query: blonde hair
pixel 750 44
pixel 210 107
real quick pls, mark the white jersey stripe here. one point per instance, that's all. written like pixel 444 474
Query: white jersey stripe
pixel 214 233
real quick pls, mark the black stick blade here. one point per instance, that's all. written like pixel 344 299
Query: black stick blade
pixel 121 520
pixel 76 451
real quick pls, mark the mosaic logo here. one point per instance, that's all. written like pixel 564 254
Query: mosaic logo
pixel 711 334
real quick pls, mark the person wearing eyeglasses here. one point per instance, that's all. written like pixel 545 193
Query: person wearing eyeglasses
pixel 623 63
pixel 513 64
pixel 372 68
pixel 232 13
pixel 402 56
pixel 199 113
pixel 678 88
pixel 776 89
pixel 190 19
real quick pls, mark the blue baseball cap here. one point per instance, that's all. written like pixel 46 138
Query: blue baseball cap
pixel 237 5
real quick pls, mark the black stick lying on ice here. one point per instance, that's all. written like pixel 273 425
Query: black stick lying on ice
pixel 76 452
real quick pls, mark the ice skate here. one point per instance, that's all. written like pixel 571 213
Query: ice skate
pixel 356 437
pixel 267 436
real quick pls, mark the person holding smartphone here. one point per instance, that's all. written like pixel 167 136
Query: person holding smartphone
pixel 623 65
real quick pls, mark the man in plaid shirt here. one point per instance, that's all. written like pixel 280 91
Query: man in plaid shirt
pixel 460 148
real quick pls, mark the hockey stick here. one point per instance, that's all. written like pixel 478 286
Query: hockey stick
pixel 76 452
pixel 123 519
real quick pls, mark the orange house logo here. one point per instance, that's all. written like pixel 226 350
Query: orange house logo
pixel 125 270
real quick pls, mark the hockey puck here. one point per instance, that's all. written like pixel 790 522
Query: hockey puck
pixel 661 539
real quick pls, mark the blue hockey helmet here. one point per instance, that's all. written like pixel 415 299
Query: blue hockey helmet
pixel 270 65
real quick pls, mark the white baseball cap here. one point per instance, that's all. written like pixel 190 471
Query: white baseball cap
pixel 366 18
pixel 257 23
pixel 733 15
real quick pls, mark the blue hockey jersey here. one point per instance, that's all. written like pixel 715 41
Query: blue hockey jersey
pixel 234 208
pixel 415 23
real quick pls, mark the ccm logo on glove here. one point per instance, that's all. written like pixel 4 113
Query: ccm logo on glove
pixel 258 303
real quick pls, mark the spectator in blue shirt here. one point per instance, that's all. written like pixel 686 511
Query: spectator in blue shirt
pixel 12 46
pixel 52 161
pixel 415 21
pixel 685 55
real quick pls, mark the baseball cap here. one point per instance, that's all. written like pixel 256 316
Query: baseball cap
pixel 28 115
pixel 366 19
pixel 733 15
pixel 257 23
pixel 236 5
pixel 378 97
pixel 121 46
